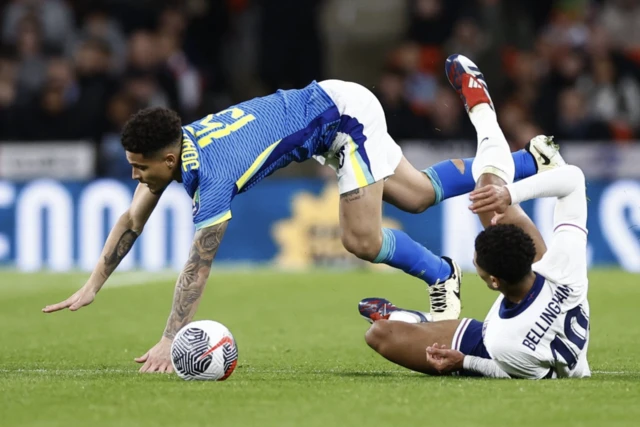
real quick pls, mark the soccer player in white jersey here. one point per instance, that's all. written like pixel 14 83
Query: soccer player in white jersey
pixel 539 325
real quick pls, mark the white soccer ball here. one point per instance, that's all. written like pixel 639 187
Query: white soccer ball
pixel 204 350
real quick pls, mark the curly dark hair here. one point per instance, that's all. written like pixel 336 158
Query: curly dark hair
pixel 150 130
pixel 506 252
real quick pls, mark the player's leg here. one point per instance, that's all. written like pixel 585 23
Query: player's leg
pixel 452 178
pixel 405 344
pixel 402 336
pixel 368 156
pixel 410 189
pixel 361 220
pixel 363 236
pixel 493 164
pixel 415 191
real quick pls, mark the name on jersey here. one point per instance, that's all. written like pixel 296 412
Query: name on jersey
pixel 189 155
pixel 547 317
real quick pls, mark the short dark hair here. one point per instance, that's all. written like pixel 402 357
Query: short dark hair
pixel 506 252
pixel 150 130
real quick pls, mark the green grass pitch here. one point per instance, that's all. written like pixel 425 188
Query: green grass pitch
pixel 303 360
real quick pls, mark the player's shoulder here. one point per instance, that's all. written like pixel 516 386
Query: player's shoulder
pixel 561 285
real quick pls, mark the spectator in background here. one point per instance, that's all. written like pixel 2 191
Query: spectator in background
pixel 112 159
pixel 31 57
pixel 573 121
pixel 524 132
pixel 142 52
pixel 430 21
pixel 147 72
pixel 54 116
pixel 612 97
pixel 171 30
pixel 208 25
pixel 143 86
pixel 99 25
pixel 468 39
pixel 511 116
pixel 523 80
pixel 420 84
pixel 61 74
pixel 54 17
pixel 402 122
pixel 447 119
pixel 131 15
pixel 173 22
pixel 8 78
pixel 93 66
pixel 54 109
pixel 567 67
pixel 291 49
pixel 620 18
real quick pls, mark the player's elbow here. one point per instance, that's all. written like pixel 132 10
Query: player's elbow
pixel 131 222
pixel 576 176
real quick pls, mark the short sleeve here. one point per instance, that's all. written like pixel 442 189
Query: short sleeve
pixel 212 202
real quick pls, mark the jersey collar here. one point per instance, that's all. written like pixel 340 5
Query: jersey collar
pixel 509 310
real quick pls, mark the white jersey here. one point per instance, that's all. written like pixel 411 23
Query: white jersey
pixel 546 335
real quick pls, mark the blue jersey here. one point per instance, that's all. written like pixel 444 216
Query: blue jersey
pixel 229 152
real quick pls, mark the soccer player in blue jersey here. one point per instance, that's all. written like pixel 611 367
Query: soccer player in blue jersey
pixel 340 124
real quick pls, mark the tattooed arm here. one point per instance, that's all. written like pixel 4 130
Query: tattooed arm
pixel 187 296
pixel 121 238
pixel 193 278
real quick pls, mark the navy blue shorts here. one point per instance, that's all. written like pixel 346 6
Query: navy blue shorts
pixel 468 340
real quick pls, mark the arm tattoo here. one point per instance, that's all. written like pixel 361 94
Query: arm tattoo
pixel 121 250
pixel 352 195
pixel 193 278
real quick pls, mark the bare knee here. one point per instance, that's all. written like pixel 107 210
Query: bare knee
pixel 365 246
pixel 414 204
pixel 420 205
pixel 377 335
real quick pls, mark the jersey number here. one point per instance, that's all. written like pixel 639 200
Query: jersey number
pixel 221 130
pixel 575 317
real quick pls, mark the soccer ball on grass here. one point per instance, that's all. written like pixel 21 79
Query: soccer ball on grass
pixel 204 350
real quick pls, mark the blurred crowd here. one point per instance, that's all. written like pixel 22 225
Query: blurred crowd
pixel 78 69
pixel 570 68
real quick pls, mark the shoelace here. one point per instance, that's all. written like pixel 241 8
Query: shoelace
pixel 438 295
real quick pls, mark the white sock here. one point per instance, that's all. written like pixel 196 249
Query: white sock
pixel 408 317
pixel 493 155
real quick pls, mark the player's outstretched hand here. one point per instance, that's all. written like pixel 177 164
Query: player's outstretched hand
pixel 491 198
pixel 84 296
pixel 158 359
pixel 444 360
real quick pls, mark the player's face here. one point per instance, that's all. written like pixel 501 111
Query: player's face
pixel 156 172
pixel 491 281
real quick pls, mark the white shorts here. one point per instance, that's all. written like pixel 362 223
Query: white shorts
pixel 362 152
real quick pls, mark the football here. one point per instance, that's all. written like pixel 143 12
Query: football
pixel 204 350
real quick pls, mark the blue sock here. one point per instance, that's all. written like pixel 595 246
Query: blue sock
pixel 401 251
pixel 449 182
pixel 525 165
